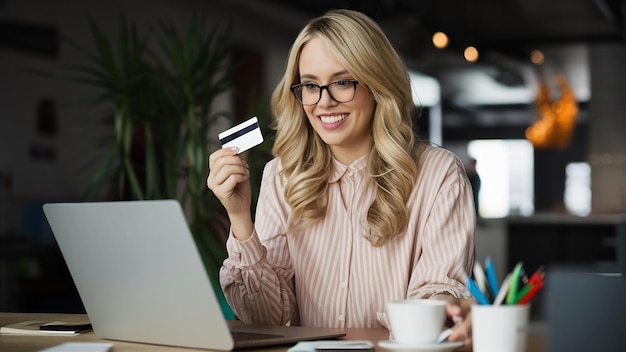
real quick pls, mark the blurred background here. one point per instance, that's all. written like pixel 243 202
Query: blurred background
pixel 529 94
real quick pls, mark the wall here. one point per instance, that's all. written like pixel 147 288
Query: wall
pixel 607 149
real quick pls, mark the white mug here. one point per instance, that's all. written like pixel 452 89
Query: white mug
pixel 416 321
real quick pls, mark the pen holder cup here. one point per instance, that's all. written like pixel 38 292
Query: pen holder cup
pixel 502 328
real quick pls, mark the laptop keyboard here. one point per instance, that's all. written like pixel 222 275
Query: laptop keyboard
pixel 252 336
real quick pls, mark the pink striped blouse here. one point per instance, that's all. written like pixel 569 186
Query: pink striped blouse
pixel 330 275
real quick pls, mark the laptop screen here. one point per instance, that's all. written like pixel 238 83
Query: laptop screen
pixel 138 272
pixel 585 310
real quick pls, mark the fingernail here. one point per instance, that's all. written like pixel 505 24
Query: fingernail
pixel 234 149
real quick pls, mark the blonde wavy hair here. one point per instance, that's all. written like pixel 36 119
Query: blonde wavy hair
pixel 364 50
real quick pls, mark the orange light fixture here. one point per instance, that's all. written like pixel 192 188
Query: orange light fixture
pixel 557 118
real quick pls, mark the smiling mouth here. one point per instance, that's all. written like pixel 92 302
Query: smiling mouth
pixel 333 118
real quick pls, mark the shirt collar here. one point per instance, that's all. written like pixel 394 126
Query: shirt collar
pixel 339 169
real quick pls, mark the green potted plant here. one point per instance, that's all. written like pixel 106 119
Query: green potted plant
pixel 162 88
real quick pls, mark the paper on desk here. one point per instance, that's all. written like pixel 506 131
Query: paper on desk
pixel 333 346
pixel 80 347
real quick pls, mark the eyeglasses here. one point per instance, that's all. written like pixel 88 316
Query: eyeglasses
pixel 341 91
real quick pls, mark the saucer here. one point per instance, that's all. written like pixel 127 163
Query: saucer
pixel 422 347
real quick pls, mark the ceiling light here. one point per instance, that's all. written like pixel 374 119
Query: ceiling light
pixel 471 54
pixel 440 40
pixel 536 57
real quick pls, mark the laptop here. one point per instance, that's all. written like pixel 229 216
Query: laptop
pixel 585 309
pixel 141 278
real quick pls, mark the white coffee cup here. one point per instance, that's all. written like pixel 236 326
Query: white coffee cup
pixel 416 321
pixel 501 328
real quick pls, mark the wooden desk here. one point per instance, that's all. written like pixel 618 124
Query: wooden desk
pixel 37 343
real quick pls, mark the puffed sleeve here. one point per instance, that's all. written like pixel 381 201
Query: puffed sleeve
pixel 257 277
pixel 447 237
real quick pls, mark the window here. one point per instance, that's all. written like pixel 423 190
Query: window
pixel 577 195
pixel 505 168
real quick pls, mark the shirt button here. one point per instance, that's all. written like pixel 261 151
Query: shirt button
pixel 340 317
pixel 343 285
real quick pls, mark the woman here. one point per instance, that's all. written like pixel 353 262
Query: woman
pixel 354 211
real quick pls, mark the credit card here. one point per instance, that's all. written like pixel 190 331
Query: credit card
pixel 244 136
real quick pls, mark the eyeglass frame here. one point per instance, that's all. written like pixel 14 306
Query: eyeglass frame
pixel 321 89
